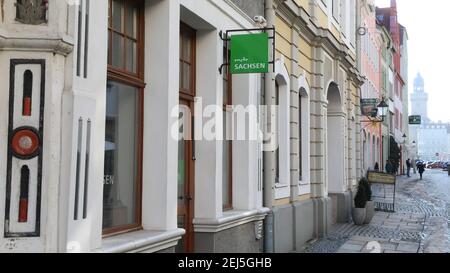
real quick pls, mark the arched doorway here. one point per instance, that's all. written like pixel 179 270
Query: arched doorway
pixel 335 141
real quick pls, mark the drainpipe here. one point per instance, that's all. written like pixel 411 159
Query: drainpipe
pixel 358 37
pixel 269 155
pixel 359 6
pixel 294 183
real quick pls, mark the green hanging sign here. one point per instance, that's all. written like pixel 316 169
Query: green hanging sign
pixel 249 53
pixel 415 120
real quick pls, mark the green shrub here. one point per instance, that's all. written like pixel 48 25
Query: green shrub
pixel 368 188
pixel 361 197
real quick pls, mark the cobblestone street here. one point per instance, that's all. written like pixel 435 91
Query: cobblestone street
pixel 419 225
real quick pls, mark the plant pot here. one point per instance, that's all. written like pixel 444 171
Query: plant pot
pixel 370 212
pixel 359 216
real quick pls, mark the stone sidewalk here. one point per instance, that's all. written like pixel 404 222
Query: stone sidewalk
pixel 420 224
pixel 387 233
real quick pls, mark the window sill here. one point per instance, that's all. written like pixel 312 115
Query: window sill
pixel 282 191
pixel 141 241
pixel 230 219
pixel 303 183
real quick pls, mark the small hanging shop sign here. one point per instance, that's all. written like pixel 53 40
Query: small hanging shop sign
pixel 369 107
pixel 248 53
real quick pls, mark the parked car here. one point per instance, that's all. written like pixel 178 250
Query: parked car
pixel 436 165
pixel 429 164
pixel 445 166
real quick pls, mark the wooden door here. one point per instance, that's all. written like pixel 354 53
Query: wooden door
pixel 186 146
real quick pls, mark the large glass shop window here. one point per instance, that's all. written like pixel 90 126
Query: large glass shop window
pixel 123 134
pixel 121 160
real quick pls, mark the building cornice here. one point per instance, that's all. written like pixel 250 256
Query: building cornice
pixel 58 45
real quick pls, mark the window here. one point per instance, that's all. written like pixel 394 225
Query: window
pixel 374 151
pixel 335 8
pixel 227 160
pixel 353 22
pixel 277 130
pixel 187 59
pixel 125 35
pixel 369 150
pixel 123 135
pixel 396 118
pixel 401 122
pixel 343 17
pixel 300 163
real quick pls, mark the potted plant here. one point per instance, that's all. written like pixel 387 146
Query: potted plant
pixel 359 212
pixel 370 205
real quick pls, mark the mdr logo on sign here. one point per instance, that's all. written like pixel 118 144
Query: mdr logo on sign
pixel 249 53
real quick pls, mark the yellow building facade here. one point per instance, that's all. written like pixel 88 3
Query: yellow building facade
pixel 316 64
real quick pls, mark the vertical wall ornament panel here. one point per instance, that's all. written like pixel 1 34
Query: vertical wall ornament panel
pixel 83 38
pixel 25 147
pixel 80 197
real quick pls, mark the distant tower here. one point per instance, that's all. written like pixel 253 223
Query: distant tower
pixel 419 99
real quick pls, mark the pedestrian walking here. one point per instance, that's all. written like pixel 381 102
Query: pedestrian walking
pixel 421 168
pixel 408 167
pixel 394 168
pixel 377 167
pixel 389 168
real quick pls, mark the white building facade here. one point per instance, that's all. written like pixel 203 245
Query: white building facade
pixel 116 126
pixel 91 114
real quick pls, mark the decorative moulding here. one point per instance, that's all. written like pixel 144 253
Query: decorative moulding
pixel 31 12
pixel 141 241
pixel 229 220
pixel 58 45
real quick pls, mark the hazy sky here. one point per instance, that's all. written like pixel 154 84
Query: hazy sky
pixel 427 23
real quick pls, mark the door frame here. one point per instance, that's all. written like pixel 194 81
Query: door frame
pixel 188 98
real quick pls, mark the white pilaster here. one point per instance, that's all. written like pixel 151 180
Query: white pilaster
pixel 161 96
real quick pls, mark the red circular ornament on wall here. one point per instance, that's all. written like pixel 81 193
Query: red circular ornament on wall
pixel 25 143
